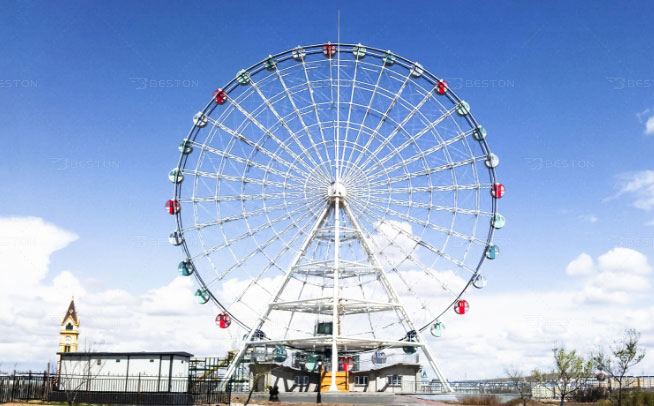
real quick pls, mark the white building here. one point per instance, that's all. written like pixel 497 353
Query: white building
pixel 125 371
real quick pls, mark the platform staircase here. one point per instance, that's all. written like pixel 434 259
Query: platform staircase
pixel 341 381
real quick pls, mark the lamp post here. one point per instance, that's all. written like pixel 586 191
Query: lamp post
pixel 319 399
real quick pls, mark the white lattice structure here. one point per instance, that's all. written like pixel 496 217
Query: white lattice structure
pixel 335 184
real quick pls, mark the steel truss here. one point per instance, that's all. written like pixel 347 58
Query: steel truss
pixel 338 305
pixel 346 172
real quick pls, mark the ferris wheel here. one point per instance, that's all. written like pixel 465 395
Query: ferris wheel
pixel 336 199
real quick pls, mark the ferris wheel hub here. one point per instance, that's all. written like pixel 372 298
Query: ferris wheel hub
pixel 337 190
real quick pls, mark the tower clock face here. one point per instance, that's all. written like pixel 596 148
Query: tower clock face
pixel 67 340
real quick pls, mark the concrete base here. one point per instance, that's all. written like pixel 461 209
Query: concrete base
pixel 351 398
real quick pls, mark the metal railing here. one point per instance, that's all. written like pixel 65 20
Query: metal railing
pixel 112 389
pixel 24 386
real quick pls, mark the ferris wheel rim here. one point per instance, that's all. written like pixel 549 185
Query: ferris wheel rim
pixel 315 49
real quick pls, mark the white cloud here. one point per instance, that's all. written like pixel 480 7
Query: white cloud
pixel 164 318
pixel 502 327
pixel 624 260
pixel 591 219
pixel 649 126
pixel 619 274
pixel 521 328
pixel 25 248
pixel 640 186
pixel 582 265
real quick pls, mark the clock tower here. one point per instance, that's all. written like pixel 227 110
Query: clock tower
pixel 68 335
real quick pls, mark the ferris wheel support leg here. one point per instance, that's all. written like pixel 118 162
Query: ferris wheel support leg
pixel 239 357
pixel 432 362
pixel 396 299
pixel 234 364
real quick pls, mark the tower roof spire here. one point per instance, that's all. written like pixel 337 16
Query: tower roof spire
pixel 71 312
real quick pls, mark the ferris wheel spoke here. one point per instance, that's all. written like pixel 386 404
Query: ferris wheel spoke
pixel 315 109
pixel 429 189
pixel 232 178
pixel 410 289
pixel 255 196
pixel 408 256
pixel 367 110
pixel 292 316
pixel 405 162
pixel 397 129
pixel 363 294
pixel 290 98
pixel 243 215
pixel 261 249
pixel 272 263
pixel 255 146
pixel 282 122
pixel 424 172
pixel 422 242
pixel 311 202
pixel 384 117
pixel 413 140
pixel 265 226
pixel 349 113
pixel 272 136
pixel 428 206
pixel 248 162
pixel 425 224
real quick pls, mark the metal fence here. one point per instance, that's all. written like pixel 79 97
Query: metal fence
pixel 113 389
pixel 27 386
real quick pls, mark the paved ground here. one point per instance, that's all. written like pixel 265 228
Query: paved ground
pixel 329 399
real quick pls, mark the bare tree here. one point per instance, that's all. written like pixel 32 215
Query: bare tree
pixel 523 384
pixel 624 355
pixel 570 373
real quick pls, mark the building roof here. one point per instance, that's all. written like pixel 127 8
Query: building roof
pixel 142 353
pixel 71 312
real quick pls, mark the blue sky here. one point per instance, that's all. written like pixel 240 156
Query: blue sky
pixel 565 93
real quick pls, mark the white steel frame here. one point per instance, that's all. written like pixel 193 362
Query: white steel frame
pixel 339 305
pixel 355 178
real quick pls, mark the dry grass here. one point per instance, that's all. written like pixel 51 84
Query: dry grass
pixel 492 400
pixel 518 402
pixel 480 400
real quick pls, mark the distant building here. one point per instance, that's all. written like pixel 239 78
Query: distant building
pixel 69 332
pixel 145 371
pixel 126 364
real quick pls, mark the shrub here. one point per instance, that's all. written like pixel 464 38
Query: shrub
pixel 633 398
pixel 480 400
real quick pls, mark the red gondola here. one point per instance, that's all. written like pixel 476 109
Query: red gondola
pixel 441 87
pixel 220 96
pixel 461 306
pixel 173 207
pixel 348 363
pixel 497 190
pixel 329 49
pixel 223 320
